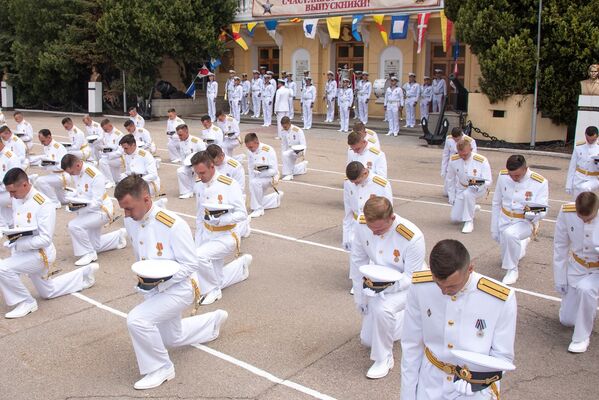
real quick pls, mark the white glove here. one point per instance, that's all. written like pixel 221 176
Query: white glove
pixel 569 190
pixel 443 174
pixel 532 216
pixel 462 387
pixel 150 292
pixel 347 246
pixel 363 308
pixel 561 289
pixel 495 236
pixel 451 201
pixel 9 245
pixel 474 188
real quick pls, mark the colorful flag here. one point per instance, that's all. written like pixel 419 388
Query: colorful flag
pixel 203 72
pixel 222 36
pixel 422 25
pixel 310 28
pixel 355 27
pixel 399 27
pixel 271 28
pixel 191 90
pixel 334 25
pixel 251 26
pixel 295 20
pixel 214 63
pixel 456 54
pixel 378 20
pixel 237 37
pixel 446 28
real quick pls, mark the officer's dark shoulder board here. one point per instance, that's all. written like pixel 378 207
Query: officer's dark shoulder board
pixel 164 218
pixel 493 288
pixel 422 276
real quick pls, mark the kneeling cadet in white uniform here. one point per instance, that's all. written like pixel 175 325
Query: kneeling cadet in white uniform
pixel 385 239
pixel 452 312
pixel 140 162
pixel 86 228
pixel 583 171
pixel 155 324
pixel 8 161
pixel 230 128
pixel 293 147
pixel 187 145
pixel 220 207
pixel 34 254
pixel 53 183
pixel 111 159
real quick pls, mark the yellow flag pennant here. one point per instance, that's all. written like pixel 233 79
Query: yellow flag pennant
pixel 334 25
pixel 237 37
pixel 378 20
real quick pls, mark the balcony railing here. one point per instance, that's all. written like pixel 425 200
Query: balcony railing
pixel 244 11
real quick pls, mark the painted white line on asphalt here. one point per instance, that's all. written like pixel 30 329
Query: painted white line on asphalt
pixel 223 356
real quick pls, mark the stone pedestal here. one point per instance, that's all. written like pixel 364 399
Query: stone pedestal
pixel 94 98
pixel 588 114
pixel 7 97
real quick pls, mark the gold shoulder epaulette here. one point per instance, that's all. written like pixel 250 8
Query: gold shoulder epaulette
pixel 194 140
pixel 233 163
pixel 14 138
pixel 537 177
pixel 581 143
pixel 370 132
pixel 90 172
pixel 448 137
pixel 404 231
pixel 361 219
pixel 569 207
pixel 479 158
pixel 503 172
pixel 422 276
pixel 371 140
pixel 380 181
pixel 8 154
pixel 224 179
pixel 142 153
pixel 455 157
pixel 215 128
pixel 467 138
pixel 39 199
pixel 296 129
pixel 56 145
pixel 265 148
pixel 375 151
pixel 165 219
pixel 493 288
pixel 229 118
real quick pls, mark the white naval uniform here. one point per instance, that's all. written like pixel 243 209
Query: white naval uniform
pixel 256 96
pixel 185 173
pixel 111 163
pixel 8 161
pixel 229 88
pixel 211 94
pixel 394 99
pixel 18 148
pixel 371 157
pixel 173 138
pixel 292 86
pixel 373 138
pixel 441 323
pixel 576 268
pixel 156 323
pixel 449 150
pixel 86 228
pixel 94 129
pixel 214 134
pixel 233 169
pixel 268 94
pixel 426 96
pixel 401 248
pixel 412 96
pixel 138 120
pixel 235 101
pixel 219 238
pixel 330 91
pixel 25 129
pixel 141 162
pixel 364 92
pixel 308 99
pixel 2 119
pixel 35 255
pixel 292 137
pixel 356 85
pixel 345 99
pixel 260 181
pixel 245 100
pixel 462 196
pixel 79 145
pixel 583 173
pixel 282 97
pixel 509 225
pixel 52 184
pixel 354 198
pixel 439 92
pixel 143 140
pixel 230 142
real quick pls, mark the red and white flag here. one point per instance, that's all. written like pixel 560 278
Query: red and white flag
pixel 204 71
pixel 422 25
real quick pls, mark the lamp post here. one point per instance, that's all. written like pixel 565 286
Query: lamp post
pixel 533 128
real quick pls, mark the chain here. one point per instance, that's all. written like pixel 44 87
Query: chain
pixel 470 127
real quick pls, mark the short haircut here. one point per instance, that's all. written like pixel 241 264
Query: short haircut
pixel 132 108
pixel 45 132
pixel 219 113
pixel 68 161
pixel 104 122
pixel 133 185
pixel 128 123
pixel 65 120
pixel 587 203
pixel 591 131
pixel 462 144
pixel 202 157
pixel 127 139
pixel 515 162
pixel 250 137
pixel 353 170
pixel 354 138
pixel 14 176
pixel 205 118
pixel 170 110
pixel 447 257
pixel 377 208
pixel 17 113
pixel 359 126
pixel 456 131
pixel 214 150
pixel 285 120
pixel 181 127
pixel 4 128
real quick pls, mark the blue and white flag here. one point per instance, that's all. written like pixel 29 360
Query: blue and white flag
pixel 310 28
pixel 214 63
pixel 355 27
pixel 191 90
pixel 399 27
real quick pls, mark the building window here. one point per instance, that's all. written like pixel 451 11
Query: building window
pixel 352 54
pixel 269 58
pixel 445 62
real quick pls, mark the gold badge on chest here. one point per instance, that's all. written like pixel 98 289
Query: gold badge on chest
pixel 28 217
pixel 528 196
pixel 86 187
pixel 220 199
pixel 396 255
pixel 159 249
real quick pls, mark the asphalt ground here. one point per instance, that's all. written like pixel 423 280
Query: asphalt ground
pixel 293 330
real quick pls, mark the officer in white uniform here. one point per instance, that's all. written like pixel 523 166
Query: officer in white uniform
pixel 450 149
pixel 412 90
pixel 137 119
pixel 111 159
pixel 212 133
pixel 52 185
pixel 93 128
pixel 394 102
pixel 576 267
pixel 308 99
pixel 245 100
pixel 187 145
pixel 229 88
pixel 142 136
pixel 470 176
pixel 172 123
pixel 362 150
pixel 139 162
pixel 23 130
pixel 268 94
pixel 368 134
pixel 282 97
pixel 364 92
pixel 439 91
pixel 583 171
pixel 35 255
pixel 345 99
pixel 8 161
pixel 211 94
pixel 2 118
pixel 292 86
pixel 451 307
pixel 330 94
pixel 426 96
pixel 79 145
pixel 15 145
pixel 257 88
pixel 230 128
pixel 512 224
pixel 86 228
pixel 383 238
pixel 155 324
pixel 292 135
pixel 263 172
pixel 355 82
pixel 236 97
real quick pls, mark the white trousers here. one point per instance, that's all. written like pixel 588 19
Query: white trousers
pixel 330 110
pixel 280 115
pixel 82 154
pixel 32 264
pixel 173 147
pixel 584 183
pixel 579 305
pixel 291 109
pixel 5 209
pixel 156 324
pixel 86 233
pixel 52 185
pixel 217 247
pixel 344 118
pixel 267 112
pixel 229 146
pixel 307 114
pixel 236 110
pixel 511 237
pixel 393 118
pixel 363 109
pixel 211 108
pixel 424 109
pixel 410 112
pixel 260 201
pixel 256 102
pixel 245 104
pixel 185 179
pixel 111 168
pixel 437 98
pixel 464 205
pixel 289 165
